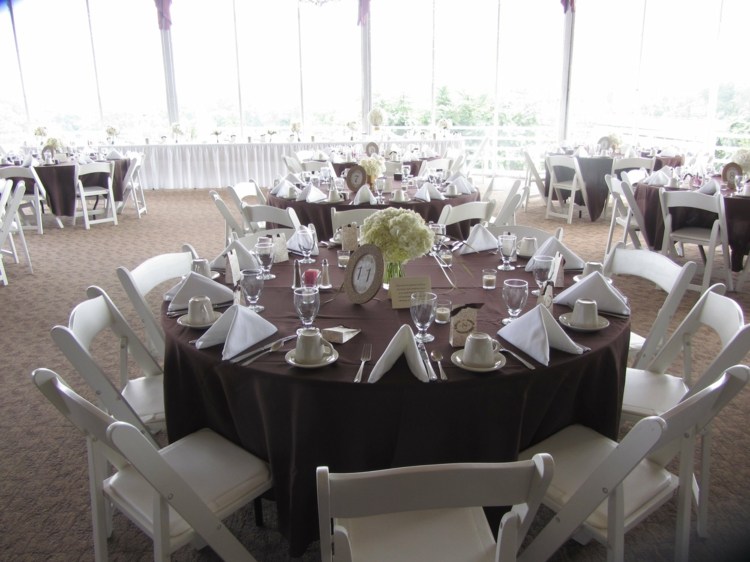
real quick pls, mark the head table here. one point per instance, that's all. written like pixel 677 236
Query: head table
pixel 298 419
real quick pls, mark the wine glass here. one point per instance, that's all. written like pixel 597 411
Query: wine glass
pixel 306 304
pixel 306 243
pixel 542 269
pixel 515 293
pixel 379 188
pixel 252 284
pixel 507 248
pixel 423 313
pixel 264 253
pixel 405 171
pixel 439 231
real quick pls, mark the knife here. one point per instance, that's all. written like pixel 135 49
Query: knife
pixel 248 354
pixel 426 360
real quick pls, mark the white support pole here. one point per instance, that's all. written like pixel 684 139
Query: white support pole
pixel 366 53
pixel 570 19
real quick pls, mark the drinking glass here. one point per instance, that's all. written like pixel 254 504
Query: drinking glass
pixel 379 188
pixel 515 293
pixel 405 171
pixel 252 284
pixel 507 248
pixel 439 231
pixel 423 313
pixel 542 269
pixel 264 253
pixel 306 304
pixel 306 243
pixel 325 175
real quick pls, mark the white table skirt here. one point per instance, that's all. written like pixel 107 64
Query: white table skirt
pixel 177 166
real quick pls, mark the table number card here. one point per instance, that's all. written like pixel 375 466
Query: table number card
pixel 349 238
pixel 558 270
pixel 401 288
pixel 280 252
pixel 463 322
pixel 232 273
pixel 546 295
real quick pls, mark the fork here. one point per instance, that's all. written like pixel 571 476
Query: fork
pixel 366 355
pixel 521 359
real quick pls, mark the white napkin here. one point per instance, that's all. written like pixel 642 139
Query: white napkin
pixel 285 189
pixel 536 332
pixel 292 244
pixel 480 239
pixel 83 159
pixel 294 179
pixel 364 195
pixel 114 154
pixel 245 258
pixel 658 178
pixel 595 287
pixel 311 194
pixel 427 151
pixel 26 161
pixel 195 285
pixel 238 328
pixel 423 193
pixel 550 247
pixel 582 152
pixel 668 152
pixel 402 343
pixel 463 185
pixel 710 187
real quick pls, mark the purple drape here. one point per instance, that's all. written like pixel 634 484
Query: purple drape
pixel 364 11
pixel 568 4
pixel 162 12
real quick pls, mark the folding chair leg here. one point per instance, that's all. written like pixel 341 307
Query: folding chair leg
pixel 25 248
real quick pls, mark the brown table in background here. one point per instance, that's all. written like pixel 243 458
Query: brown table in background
pixel 593 171
pixel 416 165
pixel 737 212
pixel 298 419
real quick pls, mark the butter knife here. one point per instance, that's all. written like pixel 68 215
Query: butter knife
pixel 426 360
pixel 248 354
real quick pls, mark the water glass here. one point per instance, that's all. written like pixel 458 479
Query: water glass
pixel 515 293
pixel 542 269
pixel 251 285
pixel 264 252
pixel 422 310
pixel 306 243
pixel 439 232
pixel 507 247
pixel 405 171
pixel 307 304
pixel 379 188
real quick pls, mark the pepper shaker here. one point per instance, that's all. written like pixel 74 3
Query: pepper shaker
pixel 297 281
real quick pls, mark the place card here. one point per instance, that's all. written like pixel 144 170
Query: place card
pixel 558 270
pixel 280 251
pixel 232 273
pixel 401 288
pixel 546 295
pixel 349 237
pixel 463 322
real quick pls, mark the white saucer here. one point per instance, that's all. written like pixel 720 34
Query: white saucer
pixel 327 360
pixel 601 323
pixel 334 242
pixel 457 360
pixel 577 278
pixel 524 256
pixel 183 321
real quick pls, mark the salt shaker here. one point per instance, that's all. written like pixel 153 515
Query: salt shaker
pixel 297 281
pixel 325 278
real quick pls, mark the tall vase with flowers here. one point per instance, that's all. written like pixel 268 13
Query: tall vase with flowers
pixel 376 118
pixel 401 234
pixel 374 167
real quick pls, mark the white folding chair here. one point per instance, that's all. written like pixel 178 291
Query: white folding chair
pixel 138 400
pixel 249 240
pixel 622 216
pixel 665 274
pixel 292 163
pixel 10 224
pixel 34 201
pixel 176 495
pixel 242 189
pixel 434 165
pixel 620 165
pixel 260 216
pixel 511 205
pixel 232 227
pixel 102 189
pixel 636 216
pixel 714 237
pixel 532 176
pixel 565 191
pixel 141 280
pixel 132 187
pixel 340 218
pixel 652 391
pixel 474 210
pixel 601 489
pixel 430 512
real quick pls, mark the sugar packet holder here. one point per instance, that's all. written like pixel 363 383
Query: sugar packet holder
pixel 339 334
pixel 349 237
pixel 463 322
pixel 280 251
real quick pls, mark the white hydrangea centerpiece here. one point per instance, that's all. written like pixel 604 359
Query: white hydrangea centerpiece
pixel 376 117
pixel 374 165
pixel 742 157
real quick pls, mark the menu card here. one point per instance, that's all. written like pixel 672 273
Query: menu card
pixel 401 288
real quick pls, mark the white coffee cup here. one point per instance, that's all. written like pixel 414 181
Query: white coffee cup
pixel 480 350
pixel 398 195
pixel 201 265
pixel 311 347
pixel 200 310
pixel 592 266
pixel 334 196
pixel 452 189
pixel 527 246
pixel 585 314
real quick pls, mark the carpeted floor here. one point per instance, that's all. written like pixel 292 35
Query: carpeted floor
pixel 44 513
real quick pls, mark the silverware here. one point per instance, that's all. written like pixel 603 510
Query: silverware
pixel 275 346
pixel 366 355
pixel 181 311
pixel 426 360
pixel 437 357
pixel 247 354
pixel 521 359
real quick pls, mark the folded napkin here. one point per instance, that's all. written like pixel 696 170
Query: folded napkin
pixel 427 192
pixel 710 187
pixel 364 195
pixel 285 189
pixel 27 161
pixel 536 332
pixel 311 194
pixel 194 285
pixel 550 247
pixel 581 151
pixel 294 179
pixel 245 257
pixel 114 154
pixel 293 243
pixel 658 178
pixel 427 151
pixel 480 239
pixel 238 328
pixel 668 152
pixel 83 159
pixel 595 287
pixel 403 343
pixel 463 185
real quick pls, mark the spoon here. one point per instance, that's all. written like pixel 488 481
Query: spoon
pixel 277 345
pixel 438 357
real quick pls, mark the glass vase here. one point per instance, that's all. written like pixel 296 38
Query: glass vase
pixel 392 269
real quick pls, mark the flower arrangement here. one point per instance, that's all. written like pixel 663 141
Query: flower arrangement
pixel 296 127
pixel 374 165
pixel 111 131
pixel 216 133
pixel 742 157
pixel 401 234
pixel 40 132
pixel 352 125
pixel 444 123
pixel 376 117
pixel 176 129
pixel 54 144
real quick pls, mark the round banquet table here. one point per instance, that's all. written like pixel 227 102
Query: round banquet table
pixel 736 211
pixel 593 170
pixel 319 214
pixel 299 419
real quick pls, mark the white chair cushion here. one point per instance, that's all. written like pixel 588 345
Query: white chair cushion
pixel 146 396
pixel 221 473
pixel 435 535
pixel 651 394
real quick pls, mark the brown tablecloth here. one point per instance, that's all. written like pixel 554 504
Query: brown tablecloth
pixel 416 165
pixel 298 419
pixel 737 212
pixel 319 214
pixel 593 170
